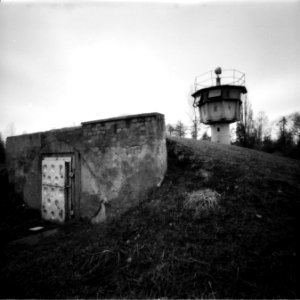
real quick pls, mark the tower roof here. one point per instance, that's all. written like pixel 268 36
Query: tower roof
pixel 200 91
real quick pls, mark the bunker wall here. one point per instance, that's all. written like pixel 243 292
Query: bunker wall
pixel 117 162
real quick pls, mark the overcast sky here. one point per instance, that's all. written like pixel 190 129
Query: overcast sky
pixel 62 64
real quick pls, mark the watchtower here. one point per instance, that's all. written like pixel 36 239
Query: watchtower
pixel 219 103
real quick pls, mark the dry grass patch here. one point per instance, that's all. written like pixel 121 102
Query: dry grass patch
pixel 202 201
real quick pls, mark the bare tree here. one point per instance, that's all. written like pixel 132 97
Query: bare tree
pixel 261 123
pixel 248 117
pixel 285 137
pixel 192 114
pixel 194 129
pixel 245 130
pixel 180 129
pixel 295 118
pixel 170 129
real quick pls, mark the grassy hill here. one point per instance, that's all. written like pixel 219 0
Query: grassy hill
pixel 222 224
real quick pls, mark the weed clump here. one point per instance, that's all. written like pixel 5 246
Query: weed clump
pixel 202 201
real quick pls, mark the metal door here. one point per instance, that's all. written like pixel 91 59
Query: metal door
pixel 56 188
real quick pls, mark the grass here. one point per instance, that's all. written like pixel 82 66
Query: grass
pixel 201 202
pixel 243 246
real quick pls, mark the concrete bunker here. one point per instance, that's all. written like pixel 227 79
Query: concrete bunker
pixel 95 171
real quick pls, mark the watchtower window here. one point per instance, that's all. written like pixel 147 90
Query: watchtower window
pixel 218 129
pixel 234 94
pixel 214 93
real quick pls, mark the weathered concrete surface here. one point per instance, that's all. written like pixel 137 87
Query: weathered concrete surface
pixel 132 152
pixel 117 161
pixel 23 167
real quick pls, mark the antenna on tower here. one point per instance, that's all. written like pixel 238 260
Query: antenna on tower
pixel 218 71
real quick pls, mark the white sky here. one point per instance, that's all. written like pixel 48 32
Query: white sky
pixel 62 64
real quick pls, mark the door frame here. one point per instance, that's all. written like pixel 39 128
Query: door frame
pixel 66 186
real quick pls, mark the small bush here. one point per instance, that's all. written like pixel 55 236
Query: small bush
pixel 202 201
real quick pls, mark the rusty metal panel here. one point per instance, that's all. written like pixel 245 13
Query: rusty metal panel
pixel 53 172
pixel 54 179
pixel 53 204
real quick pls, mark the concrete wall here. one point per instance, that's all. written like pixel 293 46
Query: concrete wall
pixel 220 133
pixel 220 110
pixel 117 161
pixel 22 156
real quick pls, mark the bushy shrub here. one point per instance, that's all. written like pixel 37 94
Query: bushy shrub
pixel 202 201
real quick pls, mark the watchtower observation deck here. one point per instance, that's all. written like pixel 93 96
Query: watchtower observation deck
pixel 219 100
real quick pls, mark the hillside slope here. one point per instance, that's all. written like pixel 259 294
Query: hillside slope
pixel 240 245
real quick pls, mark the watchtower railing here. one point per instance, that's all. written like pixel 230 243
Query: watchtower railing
pixel 228 76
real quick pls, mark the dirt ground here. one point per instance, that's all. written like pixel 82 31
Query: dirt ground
pixel 241 245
